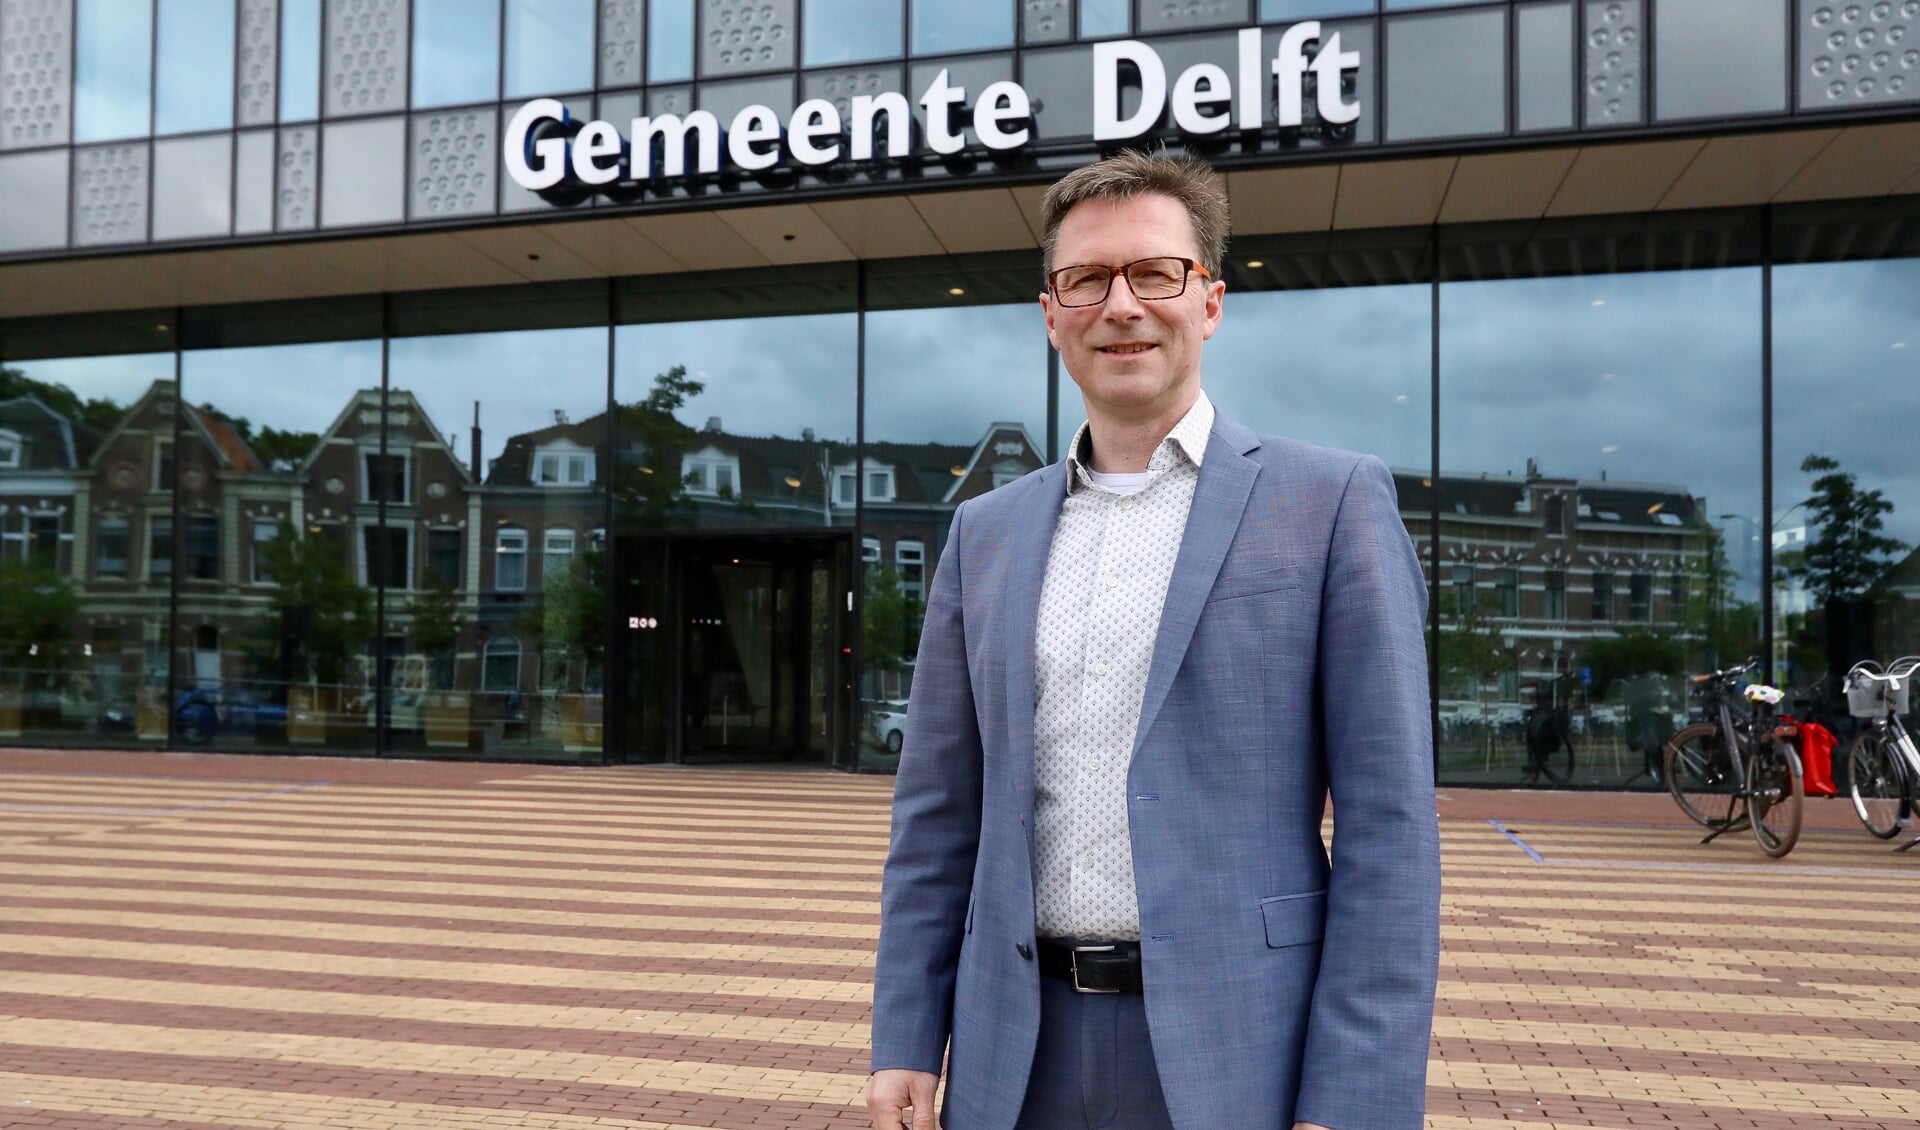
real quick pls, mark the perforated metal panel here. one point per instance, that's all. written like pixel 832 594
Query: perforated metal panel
pixel 366 56
pixel 1863 53
pixel 743 36
pixel 1156 16
pixel 257 83
pixel 1615 62
pixel 296 191
pixel 36 73
pixel 620 22
pixel 1046 21
pixel 110 194
pixel 453 162
pixel 839 87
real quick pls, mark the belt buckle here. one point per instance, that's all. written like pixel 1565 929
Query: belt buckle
pixel 1073 966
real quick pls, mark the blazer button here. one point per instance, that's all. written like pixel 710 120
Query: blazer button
pixel 1026 951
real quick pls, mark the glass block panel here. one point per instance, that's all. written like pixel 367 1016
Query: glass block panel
pixel 113 59
pixel 940 26
pixel 34 185
pixel 1157 16
pixel 299 60
pixel 1858 54
pixel 1544 37
pixel 297 179
pixel 258 85
pixel 1272 10
pixel 1615 67
pixel 620 25
pixel 851 31
pixel 253 183
pixel 1102 18
pixel 192 187
pixel 1445 79
pixel 513 198
pixel 974 74
pixel 363 173
pixel 1720 57
pixel 725 99
pixel 1046 21
pixel 549 47
pixel 453 164
pixel 367 57
pixel 36 57
pixel 744 36
pixel 456 51
pixel 110 194
pixel 840 85
pixel 193 84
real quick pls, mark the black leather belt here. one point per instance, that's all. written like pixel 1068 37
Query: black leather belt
pixel 1092 967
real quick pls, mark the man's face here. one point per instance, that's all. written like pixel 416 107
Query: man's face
pixel 1132 358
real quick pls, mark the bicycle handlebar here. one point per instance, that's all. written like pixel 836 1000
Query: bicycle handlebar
pixel 1725 673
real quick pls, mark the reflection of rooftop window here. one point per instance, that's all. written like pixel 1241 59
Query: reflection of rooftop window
pixel 563 465
pixel 1586 511
pixel 1607 515
pixel 1667 519
pixel 711 472
pixel 10 448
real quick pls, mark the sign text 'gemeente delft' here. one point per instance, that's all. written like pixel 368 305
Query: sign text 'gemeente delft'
pixel 544 148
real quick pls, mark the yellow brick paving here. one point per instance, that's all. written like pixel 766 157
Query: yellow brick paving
pixel 163 960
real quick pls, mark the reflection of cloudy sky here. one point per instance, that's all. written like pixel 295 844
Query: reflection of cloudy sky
pixel 764 376
pixel 941 376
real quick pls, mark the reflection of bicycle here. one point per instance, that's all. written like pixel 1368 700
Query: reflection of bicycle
pixel 1883 767
pixel 1732 772
pixel 1548 727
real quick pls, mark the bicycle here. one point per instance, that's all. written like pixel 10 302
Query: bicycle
pixel 1549 735
pixel 1883 764
pixel 1746 764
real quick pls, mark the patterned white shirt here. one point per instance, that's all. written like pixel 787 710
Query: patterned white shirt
pixel 1106 582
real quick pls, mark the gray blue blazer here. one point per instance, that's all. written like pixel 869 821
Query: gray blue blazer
pixel 1290 665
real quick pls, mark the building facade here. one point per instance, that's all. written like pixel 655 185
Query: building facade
pixel 594 380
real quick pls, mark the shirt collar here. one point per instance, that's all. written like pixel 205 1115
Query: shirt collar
pixel 1188 439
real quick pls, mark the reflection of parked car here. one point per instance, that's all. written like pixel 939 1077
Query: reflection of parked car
pixel 204 712
pixel 889 721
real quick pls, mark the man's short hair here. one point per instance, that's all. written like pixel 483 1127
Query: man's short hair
pixel 1131 173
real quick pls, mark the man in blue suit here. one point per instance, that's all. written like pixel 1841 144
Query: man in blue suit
pixel 1144 671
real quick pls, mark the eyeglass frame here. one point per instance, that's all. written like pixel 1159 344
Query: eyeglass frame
pixel 1192 265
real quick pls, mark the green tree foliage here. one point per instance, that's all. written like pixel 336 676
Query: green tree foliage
pixel 889 621
pixel 569 626
pixel 1472 649
pixel 318 594
pixel 434 612
pixel 38 608
pixel 648 489
pixel 1635 651
pixel 274 447
pixel 1848 553
pixel 98 413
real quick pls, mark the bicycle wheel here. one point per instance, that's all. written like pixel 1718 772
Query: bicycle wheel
pixel 1699 774
pixel 1775 794
pixel 1875 783
pixel 1556 764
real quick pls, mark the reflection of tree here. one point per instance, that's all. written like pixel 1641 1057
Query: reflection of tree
pixel 888 621
pixel 436 622
pixel 569 626
pixel 1849 553
pixel 327 612
pixel 648 489
pixel 277 449
pixel 1726 627
pixel 1472 653
pixel 97 413
pixel 37 610
pixel 1633 652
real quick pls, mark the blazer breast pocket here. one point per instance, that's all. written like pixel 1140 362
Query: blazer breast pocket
pixel 1295 920
pixel 1277 579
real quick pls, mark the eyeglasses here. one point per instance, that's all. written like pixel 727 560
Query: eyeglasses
pixel 1163 276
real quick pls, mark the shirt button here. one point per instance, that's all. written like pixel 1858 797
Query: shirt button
pixel 1126 504
pixel 1086 862
pixel 1094 765
pixel 1113 582
pixel 1099 668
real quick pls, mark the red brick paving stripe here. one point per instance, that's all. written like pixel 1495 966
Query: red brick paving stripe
pixel 523 1096
pixel 32 1118
pixel 505 839
pixel 1599 1110
pixel 348 1025
pixel 507 903
pixel 1866 1026
pixel 450 953
pixel 410 917
pixel 1810 1071
pixel 489 992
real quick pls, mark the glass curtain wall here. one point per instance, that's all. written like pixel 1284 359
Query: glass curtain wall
pixel 735 412
pixel 956 405
pixel 88 545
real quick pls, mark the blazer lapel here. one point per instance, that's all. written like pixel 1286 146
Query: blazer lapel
pixel 1026 572
pixel 1219 499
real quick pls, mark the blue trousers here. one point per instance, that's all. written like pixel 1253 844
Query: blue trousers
pixel 1093 1068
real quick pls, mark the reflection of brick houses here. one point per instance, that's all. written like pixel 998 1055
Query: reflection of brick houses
pixel 1548 565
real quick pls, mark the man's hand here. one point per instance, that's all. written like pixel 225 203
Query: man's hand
pixel 890 1093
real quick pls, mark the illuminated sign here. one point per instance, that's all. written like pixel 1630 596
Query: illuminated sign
pixel 546 149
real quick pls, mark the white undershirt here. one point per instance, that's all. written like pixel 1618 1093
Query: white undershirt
pixel 1130 482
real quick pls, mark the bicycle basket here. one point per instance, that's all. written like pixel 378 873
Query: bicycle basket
pixel 1873 698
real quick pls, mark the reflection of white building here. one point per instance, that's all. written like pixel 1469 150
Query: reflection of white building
pixel 1790 596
